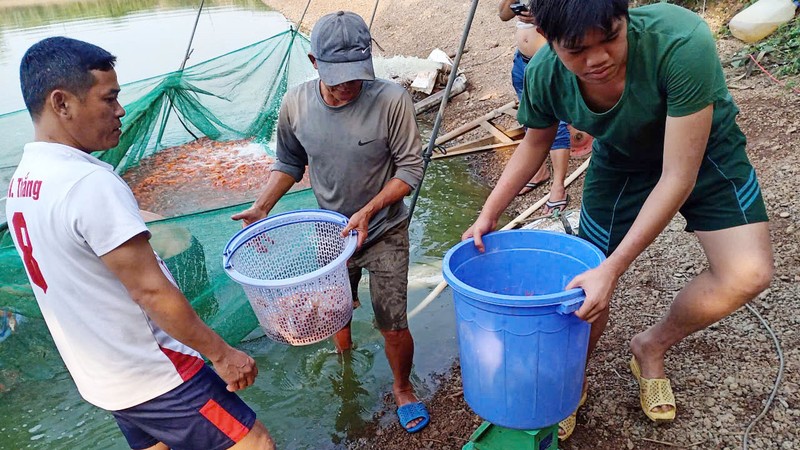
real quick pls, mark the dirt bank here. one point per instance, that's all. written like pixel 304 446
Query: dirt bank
pixel 722 376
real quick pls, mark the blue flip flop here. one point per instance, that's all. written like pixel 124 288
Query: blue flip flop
pixel 412 411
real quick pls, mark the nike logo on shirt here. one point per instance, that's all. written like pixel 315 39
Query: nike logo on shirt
pixel 366 142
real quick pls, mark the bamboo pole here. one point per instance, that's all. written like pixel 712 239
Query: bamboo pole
pixel 516 221
pixel 469 126
pixel 467 151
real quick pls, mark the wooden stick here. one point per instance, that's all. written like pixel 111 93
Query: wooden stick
pixel 672 444
pixel 494 131
pixel 469 126
pixel 517 220
pixel 435 440
pixel 573 176
pixel 467 151
pixel 485 143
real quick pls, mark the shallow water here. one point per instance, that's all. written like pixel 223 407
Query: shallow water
pixel 309 397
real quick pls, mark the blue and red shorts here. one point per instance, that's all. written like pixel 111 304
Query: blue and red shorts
pixel 200 413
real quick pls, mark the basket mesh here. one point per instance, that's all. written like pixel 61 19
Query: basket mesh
pixel 307 311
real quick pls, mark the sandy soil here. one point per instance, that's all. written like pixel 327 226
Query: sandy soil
pixel 722 376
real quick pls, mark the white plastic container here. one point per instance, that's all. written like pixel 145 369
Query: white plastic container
pixel 760 19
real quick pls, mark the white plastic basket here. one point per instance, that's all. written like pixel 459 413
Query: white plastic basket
pixel 293 268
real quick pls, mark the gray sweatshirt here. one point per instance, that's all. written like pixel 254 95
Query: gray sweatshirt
pixel 352 151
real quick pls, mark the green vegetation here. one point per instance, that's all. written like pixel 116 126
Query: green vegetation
pixel 781 50
pixel 45 14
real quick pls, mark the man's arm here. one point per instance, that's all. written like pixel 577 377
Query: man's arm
pixel 524 163
pixel 392 192
pixel 504 11
pixel 288 168
pixel 278 184
pixel 685 140
pixel 135 264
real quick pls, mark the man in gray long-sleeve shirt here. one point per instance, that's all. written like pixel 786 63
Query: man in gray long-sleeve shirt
pixel 359 137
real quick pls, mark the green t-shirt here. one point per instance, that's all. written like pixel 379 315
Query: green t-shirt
pixel 672 70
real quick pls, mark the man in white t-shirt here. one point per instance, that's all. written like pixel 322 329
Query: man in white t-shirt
pixel 127 335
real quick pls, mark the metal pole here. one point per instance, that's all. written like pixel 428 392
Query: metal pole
pixel 191 38
pixel 428 153
pixel 303 16
pixel 183 66
pixel 374 10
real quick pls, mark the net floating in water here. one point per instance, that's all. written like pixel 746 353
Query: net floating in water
pixel 232 102
pixel 293 268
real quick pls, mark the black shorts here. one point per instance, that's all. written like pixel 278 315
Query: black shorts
pixel 726 195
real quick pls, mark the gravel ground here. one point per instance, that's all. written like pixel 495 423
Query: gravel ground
pixel 721 376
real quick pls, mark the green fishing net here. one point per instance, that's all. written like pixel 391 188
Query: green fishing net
pixel 220 106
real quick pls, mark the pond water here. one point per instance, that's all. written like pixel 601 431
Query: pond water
pixel 308 397
pixel 149 37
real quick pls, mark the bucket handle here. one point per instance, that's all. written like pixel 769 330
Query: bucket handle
pixel 572 305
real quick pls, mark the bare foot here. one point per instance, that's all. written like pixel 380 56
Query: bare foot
pixel 651 361
pixel 404 397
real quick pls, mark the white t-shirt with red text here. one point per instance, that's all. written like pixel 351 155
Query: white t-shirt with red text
pixel 65 209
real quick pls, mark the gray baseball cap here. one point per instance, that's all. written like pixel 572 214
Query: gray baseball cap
pixel 342 46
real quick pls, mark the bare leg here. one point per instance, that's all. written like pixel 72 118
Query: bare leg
pixel 400 353
pixel 598 327
pixel 736 274
pixel 158 446
pixel 542 175
pixel 560 160
pixel 343 339
pixel 257 439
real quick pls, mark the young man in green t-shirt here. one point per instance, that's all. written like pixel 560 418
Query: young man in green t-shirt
pixel 648 85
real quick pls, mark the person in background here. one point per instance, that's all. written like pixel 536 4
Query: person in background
pixel 673 146
pixel 529 41
pixel 359 137
pixel 128 336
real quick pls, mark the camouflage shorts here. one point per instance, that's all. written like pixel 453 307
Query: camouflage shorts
pixel 386 261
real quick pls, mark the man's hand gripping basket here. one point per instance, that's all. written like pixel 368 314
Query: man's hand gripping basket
pixel 293 268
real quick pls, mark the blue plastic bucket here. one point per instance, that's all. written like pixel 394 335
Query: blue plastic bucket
pixel 523 350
